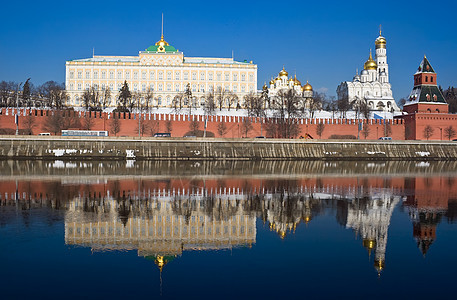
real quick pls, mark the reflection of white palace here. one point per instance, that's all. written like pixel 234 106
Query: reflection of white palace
pixel 159 227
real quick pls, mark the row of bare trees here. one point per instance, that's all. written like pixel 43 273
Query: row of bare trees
pixel 49 94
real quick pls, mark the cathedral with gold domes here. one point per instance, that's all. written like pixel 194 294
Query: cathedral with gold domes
pixel 372 84
pixel 284 82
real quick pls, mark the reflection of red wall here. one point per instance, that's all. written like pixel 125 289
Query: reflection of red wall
pixel 431 192
pixel 225 185
pixel 181 124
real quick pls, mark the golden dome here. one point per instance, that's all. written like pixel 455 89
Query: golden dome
pixel 307 86
pixel 272 82
pixel 277 78
pixel 370 64
pixel 380 41
pixel 265 86
pixel 162 42
pixel 291 79
pixel 283 72
pixel 297 82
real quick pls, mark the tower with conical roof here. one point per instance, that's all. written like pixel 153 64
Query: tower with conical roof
pixel 426 97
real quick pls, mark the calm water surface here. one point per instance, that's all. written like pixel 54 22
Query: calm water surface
pixel 227 230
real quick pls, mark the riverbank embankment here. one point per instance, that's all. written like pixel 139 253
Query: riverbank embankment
pixel 67 148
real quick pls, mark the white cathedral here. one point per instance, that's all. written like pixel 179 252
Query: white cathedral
pixel 372 85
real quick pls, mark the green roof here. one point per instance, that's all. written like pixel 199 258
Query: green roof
pixel 431 91
pixel 154 48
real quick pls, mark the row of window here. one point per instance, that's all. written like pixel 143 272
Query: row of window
pixel 160 75
pixel 157 101
pixel 202 88
pixel 193 230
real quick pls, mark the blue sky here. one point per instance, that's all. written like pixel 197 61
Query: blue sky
pixel 321 41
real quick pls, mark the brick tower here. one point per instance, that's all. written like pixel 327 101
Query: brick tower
pixel 425 97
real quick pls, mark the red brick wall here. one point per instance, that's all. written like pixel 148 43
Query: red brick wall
pixel 181 124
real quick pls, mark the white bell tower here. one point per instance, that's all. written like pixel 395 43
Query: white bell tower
pixel 381 55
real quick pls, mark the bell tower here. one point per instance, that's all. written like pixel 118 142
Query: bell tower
pixel 381 55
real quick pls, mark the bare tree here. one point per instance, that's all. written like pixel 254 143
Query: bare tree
pixel 154 127
pixel 232 100
pixel 29 124
pixel 450 132
pixel 286 109
pixel 221 95
pixel 92 99
pixel 222 129
pixel 194 127
pixel 88 122
pixel 142 127
pixel 366 131
pixel 320 129
pixel 210 105
pixel 115 126
pixel 177 102
pixel 169 126
pixel 315 103
pixel 148 96
pixel 106 97
pixel 343 106
pixel 246 126
pixel 60 120
pixel 428 132
pixel 254 105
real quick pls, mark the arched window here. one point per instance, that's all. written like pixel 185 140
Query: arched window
pixel 431 78
pixel 426 78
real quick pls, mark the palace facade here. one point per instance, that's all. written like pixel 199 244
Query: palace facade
pixel 372 85
pixel 162 70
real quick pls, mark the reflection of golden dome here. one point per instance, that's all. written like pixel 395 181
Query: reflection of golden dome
pixel 370 64
pixel 160 262
pixel 307 86
pixel 283 72
pixel 369 244
pixel 379 265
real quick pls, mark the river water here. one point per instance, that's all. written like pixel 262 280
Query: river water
pixel 127 229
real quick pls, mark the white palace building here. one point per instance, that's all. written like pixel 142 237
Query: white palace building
pixel 372 85
pixel 162 69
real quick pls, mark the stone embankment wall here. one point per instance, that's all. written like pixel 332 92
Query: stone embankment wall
pixel 220 149
pixel 36 121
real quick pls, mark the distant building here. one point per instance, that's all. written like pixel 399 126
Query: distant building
pixel 284 82
pixel 372 85
pixel 162 69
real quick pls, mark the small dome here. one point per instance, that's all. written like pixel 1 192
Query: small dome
pixel 307 86
pixel 296 81
pixel 291 79
pixel 283 72
pixel 370 64
pixel 364 72
pixel 265 86
pixel 272 82
pixel 383 73
pixel 356 78
pixel 278 79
